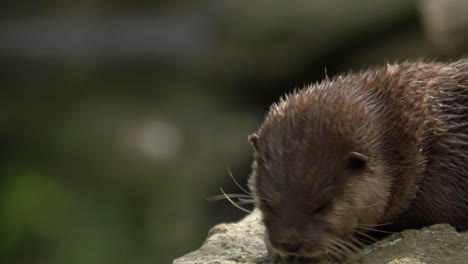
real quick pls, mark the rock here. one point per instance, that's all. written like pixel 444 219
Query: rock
pixel 434 244
pixel 242 242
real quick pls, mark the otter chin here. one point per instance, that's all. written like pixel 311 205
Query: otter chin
pixel 339 164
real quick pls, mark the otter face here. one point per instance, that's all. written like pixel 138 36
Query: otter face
pixel 318 175
pixel 317 200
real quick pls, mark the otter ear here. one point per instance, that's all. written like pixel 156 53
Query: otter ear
pixel 253 138
pixel 357 161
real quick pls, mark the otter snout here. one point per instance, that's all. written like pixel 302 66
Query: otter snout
pixel 287 242
pixel 293 242
pixel 291 247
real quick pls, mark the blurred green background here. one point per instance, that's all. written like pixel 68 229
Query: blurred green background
pixel 118 119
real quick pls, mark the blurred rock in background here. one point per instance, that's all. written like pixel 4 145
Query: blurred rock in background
pixel 446 24
pixel 119 119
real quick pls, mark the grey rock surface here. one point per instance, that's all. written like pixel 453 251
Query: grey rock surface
pixel 242 242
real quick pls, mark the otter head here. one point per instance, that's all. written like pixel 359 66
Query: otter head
pixel 317 177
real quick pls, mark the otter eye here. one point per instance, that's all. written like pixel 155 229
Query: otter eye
pixel 322 208
pixel 357 161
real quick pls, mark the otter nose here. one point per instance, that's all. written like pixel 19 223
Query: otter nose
pixel 291 247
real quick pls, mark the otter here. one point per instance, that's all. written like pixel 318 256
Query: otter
pixel 339 164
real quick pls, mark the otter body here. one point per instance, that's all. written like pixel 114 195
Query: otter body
pixel 341 162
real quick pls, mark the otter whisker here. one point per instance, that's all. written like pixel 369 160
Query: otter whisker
pixel 358 242
pixel 351 248
pixel 371 239
pixel 235 204
pixel 331 245
pixel 245 201
pixel 375 230
pixel 334 251
pixel 350 245
pixel 267 199
pixel 331 254
pixel 241 201
pixel 344 250
pixel 238 185
pixel 230 195
pixel 374 225
pixel 341 248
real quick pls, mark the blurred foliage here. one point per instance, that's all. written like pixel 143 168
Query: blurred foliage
pixel 110 159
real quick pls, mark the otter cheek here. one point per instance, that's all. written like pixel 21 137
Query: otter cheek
pixel 341 218
pixel 362 203
pixel 370 193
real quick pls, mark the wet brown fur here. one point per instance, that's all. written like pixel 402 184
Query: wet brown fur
pixel 408 124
